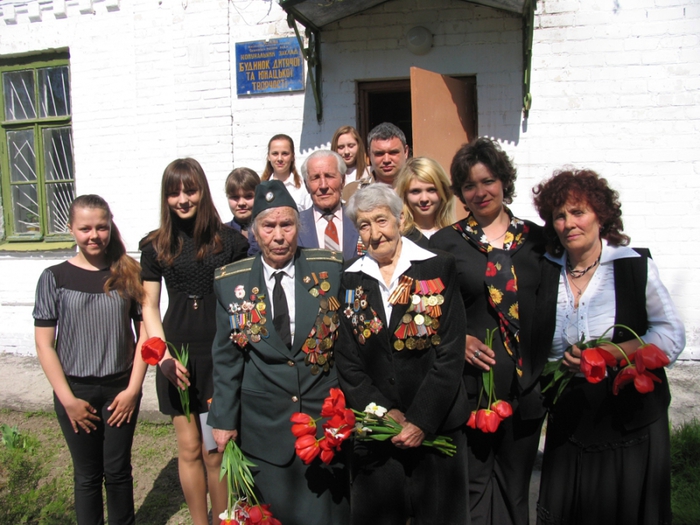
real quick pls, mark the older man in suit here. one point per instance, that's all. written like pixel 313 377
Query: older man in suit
pixel 270 362
pixel 325 224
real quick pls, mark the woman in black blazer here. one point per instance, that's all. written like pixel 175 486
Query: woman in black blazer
pixel 498 258
pixel 401 345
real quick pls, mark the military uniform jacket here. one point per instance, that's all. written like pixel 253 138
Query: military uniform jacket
pixel 425 384
pixel 259 386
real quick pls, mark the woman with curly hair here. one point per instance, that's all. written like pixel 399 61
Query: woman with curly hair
pixel 498 266
pixel 607 453
pixel 427 199
pixel 184 252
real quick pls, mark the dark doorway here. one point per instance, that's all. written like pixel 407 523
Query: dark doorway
pixel 385 101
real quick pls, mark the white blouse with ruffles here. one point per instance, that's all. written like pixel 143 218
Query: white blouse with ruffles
pixel 596 309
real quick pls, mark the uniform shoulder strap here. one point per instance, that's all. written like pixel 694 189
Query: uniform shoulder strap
pixel 244 265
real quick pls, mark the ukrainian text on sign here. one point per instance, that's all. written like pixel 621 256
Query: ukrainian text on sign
pixel 269 66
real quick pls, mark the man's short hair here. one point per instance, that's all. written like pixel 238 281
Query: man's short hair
pixel 322 154
pixel 385 131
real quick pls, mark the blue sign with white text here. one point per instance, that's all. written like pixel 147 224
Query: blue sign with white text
pixel 269 66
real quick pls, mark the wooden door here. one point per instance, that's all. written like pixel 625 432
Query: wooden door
pixel 443 111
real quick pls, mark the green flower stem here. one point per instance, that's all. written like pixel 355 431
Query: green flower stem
pixel 641 342
pixel 183 358
pixel 239 480
pixel 624 354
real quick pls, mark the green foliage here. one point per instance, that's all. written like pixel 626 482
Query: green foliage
pixel 12 438
pixel 25 496
pixel 685 473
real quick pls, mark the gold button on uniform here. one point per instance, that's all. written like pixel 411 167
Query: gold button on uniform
pixel 290 362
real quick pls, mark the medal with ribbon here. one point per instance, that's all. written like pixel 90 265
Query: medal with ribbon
pixel 318 345
pixel 363 317
pixel 247 318
pixel 419 325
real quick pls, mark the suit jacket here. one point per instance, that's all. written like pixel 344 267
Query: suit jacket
pixel 309 239
pixel 258 387
pixel 426 385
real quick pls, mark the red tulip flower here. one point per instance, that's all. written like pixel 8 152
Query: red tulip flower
pixel 307 448
pixel 502 408
pixel 153 350
pixel 339 428
pixel 594 362
pixel 303 424
pixel 472 420
pixel 487 420
pixel 643 380
pixel 261 515
pixel 334 403
pixel 328 447
pixel 650 357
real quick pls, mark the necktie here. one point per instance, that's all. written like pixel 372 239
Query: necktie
pixel 279 305
pixel 330 237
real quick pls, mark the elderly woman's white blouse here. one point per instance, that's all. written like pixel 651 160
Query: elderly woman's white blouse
pixel 596 309
pixel 410 251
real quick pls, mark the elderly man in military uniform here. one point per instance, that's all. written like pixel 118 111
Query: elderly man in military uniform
pixel 277 323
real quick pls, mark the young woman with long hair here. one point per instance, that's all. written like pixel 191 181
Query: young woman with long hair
pixel 347 143
pixel 85 314
pixel 427 198
pixel 280 166
pixel 189 245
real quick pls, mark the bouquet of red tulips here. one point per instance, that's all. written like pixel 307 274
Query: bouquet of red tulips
pixel 371 425
pixel 488 419
pixel 153 350
pixel 243 507
pixel 596 360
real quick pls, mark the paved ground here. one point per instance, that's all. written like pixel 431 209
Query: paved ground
pixel 24 387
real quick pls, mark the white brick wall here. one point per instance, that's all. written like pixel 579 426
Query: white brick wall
pixel 615 86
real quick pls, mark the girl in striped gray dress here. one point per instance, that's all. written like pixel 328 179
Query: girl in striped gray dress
pixel 85 314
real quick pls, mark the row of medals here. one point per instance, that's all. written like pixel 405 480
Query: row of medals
pixel 248 319
pixel 362 327
pixel 318 345
pixel 419 325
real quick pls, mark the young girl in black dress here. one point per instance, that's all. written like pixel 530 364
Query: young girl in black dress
pixel 83 315
pixel 189 245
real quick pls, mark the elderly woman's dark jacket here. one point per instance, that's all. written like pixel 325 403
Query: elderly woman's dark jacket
pixel 424 384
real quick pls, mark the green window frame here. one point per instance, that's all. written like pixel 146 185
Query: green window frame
pixel 36 148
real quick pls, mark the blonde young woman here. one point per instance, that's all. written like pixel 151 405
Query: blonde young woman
pixel 184 251
pixel 427 199
pixel 280 166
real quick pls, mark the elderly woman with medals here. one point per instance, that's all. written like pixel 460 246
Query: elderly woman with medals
pixel 277 326
pixel 401 346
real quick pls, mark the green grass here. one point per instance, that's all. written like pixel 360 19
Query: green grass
pixel 26 495
pixel 685 473
pixel 157 494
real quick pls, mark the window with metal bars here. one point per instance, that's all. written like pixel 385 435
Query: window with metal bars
pixel 36 152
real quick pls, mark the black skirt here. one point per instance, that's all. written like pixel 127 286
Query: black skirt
pixel 596 470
